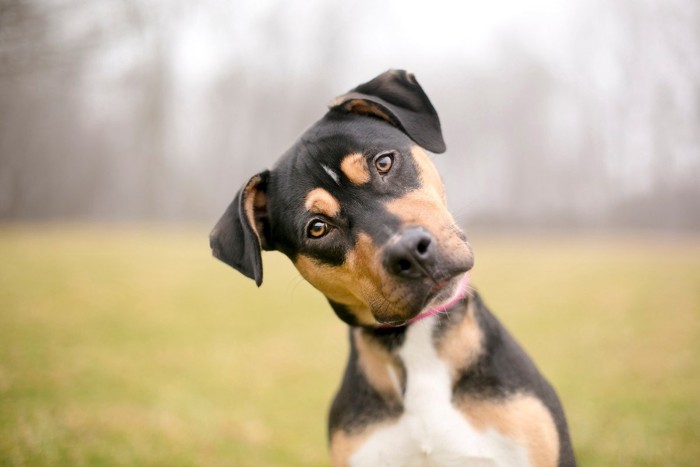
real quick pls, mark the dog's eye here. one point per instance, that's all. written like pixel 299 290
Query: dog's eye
pixel 383 163
pixel 317 229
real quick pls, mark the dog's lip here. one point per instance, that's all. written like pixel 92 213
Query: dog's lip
pixel 458 293
pixel 438 304
pixel 439 286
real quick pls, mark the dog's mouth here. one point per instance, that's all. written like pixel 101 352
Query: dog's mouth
pixel 439 286
pixel 444 295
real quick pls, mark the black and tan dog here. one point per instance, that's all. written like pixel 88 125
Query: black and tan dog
pixel 433 378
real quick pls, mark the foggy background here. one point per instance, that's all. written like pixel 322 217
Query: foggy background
pixel 580 114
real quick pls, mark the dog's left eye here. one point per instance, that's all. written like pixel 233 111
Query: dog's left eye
pixel 383 163
pixel 317 229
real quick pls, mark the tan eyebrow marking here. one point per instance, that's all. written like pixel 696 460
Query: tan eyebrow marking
pixel 354 166
pixel 319 201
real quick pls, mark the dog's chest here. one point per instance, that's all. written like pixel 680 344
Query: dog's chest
pixel 431 431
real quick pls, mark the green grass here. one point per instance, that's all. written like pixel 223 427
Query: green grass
pixel 132 346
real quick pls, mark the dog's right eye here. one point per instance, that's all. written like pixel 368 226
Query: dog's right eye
pixel 383 163
pixel 317 229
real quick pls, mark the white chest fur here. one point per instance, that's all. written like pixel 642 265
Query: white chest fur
pixel 431 432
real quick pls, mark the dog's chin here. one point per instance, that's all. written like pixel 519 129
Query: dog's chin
pixel 394 315
pixel 432 296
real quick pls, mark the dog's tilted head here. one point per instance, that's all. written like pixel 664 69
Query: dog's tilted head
pixel 358 206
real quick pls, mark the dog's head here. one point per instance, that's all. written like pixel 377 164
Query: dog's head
pixel 358 206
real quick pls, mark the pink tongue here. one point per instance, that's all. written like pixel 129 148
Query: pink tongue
pixel 459 294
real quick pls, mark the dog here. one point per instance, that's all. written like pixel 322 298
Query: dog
pixel 433 378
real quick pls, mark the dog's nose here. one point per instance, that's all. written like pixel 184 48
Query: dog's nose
pixel 412 255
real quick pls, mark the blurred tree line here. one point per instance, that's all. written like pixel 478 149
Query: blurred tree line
pixel 102 118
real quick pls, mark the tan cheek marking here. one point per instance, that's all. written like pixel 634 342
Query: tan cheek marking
pixel 360 283
pixel 376 286
pixel 461 345
pixel 377 363
pixel 336 282
pixel 430 178
pixel 354 284
pixel 364 259
pixel 522 418
pixel 319 201
pixel 354 166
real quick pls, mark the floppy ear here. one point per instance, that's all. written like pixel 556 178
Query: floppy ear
pixel 396 97
pixel 243 230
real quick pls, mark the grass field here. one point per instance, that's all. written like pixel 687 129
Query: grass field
pixel 132 346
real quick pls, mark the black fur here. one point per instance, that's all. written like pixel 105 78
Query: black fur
pixel 357 404
pixel 503 369
pixel 234 240
pixel 388 113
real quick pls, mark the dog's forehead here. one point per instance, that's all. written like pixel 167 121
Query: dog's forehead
pixel 325 144
pixel 315 159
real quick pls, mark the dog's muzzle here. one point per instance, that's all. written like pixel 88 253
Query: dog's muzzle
pixel 412 255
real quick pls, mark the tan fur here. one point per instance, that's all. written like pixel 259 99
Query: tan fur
pixel 354 166
pixel 253 199
pixel 337 101
pixel 319 201
pixel 461 344
pixel 428 172
pixel 427 204
pixel 522 418
pixel 376 363
pixel 344 444
pixel 426 207
pixel 354 283
pixel 360 283
pixel 361 106
pixel 337 283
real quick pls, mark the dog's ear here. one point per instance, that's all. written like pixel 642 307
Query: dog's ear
pixel 396 97
pixel 244 229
